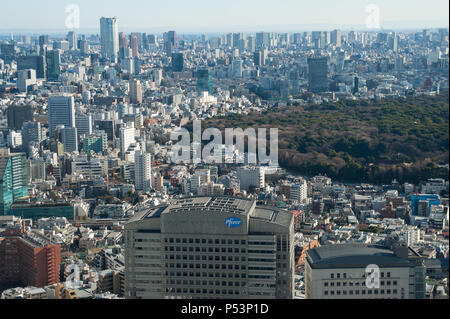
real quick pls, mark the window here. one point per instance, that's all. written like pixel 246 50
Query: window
pixel 332 276
pixel 325 284
pixel 326 293
pixel 388 275
pixel 345 275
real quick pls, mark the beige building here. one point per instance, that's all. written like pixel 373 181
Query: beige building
pixel 339 272
pixel 210 247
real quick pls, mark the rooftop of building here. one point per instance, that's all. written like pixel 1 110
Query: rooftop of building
pixel 222 204
pixel 356 255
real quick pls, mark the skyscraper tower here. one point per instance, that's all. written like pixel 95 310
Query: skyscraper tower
pixel 170 42
pixel 134 45
pixel 336 37
pixel 13 178
pixel 177 62
pixel 53 65
pixel 73 42
pixel 61 111
pixel 135 91
pixel 204 80
pixel 318 74
pixel 142 170
pixel 109 37
pixel 220 247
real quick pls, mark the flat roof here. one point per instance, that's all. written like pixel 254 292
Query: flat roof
pixel 354 255
pixel 221 204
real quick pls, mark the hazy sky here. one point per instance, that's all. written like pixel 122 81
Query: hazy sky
pixel 198 14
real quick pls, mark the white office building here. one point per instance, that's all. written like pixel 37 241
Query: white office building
pixel 299 192
pixel 340 272
pixel 127 137
pixel 251 177
pixel 142 171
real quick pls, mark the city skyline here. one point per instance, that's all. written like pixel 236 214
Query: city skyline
pixel 248 16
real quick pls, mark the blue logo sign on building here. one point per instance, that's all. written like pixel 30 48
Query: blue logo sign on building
pixel 233 222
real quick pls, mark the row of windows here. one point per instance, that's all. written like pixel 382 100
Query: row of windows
pixel 215 275
pixel 192 274
pixel 357 284
pixel 203 291
pixel 147 240
pixel 357 292
pixel 205 249
pixel 204 258
pixel 207 283
pixel 344 275
pixel 205 241
pixel 204 266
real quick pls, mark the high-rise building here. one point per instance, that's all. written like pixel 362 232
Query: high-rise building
pixel 299 191
pixel 70 139
pixel 251 177
pixel 13 178
pixel 339 272
pixel 73 41
pixel 61 111
pixel 336 37
pixel 31 133
pixel 83 45
pixel 237 68
pixel 210 247
pixel 83 123
pixel 318 38
pixel 17 115
pixel 134 45
pixel 251 43
pixel 318 74
pixel 170 42
pixel 262 40
pixel 127 137
pixel 35 62
pixel 204 81
pixel 109 37
pixel 28 259
pixel 135 91
pixel 177 62
pixel 53 64
pixel 393 42
pixel 142 171
pixel 43 43
pixel 25 79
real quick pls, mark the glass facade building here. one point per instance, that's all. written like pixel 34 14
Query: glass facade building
pixel 13 178
pixel 204 81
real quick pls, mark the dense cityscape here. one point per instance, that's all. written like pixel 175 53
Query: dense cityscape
pixel 93 206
